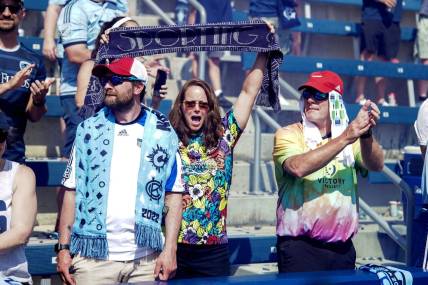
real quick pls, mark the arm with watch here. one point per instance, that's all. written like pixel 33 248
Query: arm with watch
pixel 62 249
pixel 36 107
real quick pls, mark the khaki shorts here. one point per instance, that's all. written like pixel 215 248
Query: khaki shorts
pixel 421 43
pixel 99 272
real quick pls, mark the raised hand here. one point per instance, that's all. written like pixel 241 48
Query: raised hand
pixel 39 89
pixel 270 26
pixel 389 3
pixel 366 118
pixel 19 78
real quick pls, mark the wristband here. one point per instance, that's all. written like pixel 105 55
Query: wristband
pixel 367 134
pixel 61 246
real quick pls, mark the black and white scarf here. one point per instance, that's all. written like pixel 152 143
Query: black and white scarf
pixel 248 36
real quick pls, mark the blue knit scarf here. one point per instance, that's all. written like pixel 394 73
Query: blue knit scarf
pixel 94 146
pixel 248 36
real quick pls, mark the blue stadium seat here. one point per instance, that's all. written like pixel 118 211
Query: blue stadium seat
pixel 409 5
pixel 37 5
pixel 343 28
pixel 33 43
pixel 350 67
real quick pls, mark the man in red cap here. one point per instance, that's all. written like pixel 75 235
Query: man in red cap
pixel 316 161
pixel 123 169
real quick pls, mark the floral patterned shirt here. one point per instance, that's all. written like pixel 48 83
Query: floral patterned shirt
pixel 207 175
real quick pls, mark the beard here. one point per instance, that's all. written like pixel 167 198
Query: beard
pixel 118 104
pixel 5 29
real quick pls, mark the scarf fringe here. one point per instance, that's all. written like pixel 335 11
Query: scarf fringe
pixel 146 236
pixel 86 246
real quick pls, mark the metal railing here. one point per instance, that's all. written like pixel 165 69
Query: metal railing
pixel 260 115
pixel 155 8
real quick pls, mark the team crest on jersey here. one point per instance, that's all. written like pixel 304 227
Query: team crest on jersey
pixel 23 64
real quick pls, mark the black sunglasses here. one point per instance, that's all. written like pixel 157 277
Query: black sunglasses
pixel 12 8
pixel 315 94
pixel 3 136
pixel 116 80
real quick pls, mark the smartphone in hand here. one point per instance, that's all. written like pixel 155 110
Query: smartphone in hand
pixel 160 80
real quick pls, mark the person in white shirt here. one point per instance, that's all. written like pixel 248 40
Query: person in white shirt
pixel 124 167
pixel 18 207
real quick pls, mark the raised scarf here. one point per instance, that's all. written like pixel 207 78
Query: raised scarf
pixel 94 146
pixel 248 36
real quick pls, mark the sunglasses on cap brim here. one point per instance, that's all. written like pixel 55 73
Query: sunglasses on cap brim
pixel 314 94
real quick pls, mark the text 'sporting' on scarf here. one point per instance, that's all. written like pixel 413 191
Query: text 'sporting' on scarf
pixel 248 36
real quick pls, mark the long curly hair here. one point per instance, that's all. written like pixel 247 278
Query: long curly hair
pixel 212 128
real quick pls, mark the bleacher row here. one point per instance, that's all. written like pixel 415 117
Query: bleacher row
pixel 246 250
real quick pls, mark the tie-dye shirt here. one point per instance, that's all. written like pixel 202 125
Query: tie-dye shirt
pixel 321 205
pixel 207 175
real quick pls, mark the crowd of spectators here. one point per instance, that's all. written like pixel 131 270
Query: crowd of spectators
pixel 72 29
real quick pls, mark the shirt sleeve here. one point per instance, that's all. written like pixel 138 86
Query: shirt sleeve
pixel 69 177
pixel 73 25
pixel 232 129
pixel 174 182
pixel 58 2
pixel 122 5
pixel 287 143
pixel 421 124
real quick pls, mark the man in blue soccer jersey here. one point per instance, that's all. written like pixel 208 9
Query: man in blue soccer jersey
pixel 23 87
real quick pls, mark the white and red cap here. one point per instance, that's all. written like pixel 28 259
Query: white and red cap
pixel 324 81
pixel 125 66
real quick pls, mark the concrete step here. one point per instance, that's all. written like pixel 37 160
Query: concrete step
pixel 43 138
pixel 244 150
pixel 242 175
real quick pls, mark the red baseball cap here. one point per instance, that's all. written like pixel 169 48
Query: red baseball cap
pixel 126 66
pixel 324 81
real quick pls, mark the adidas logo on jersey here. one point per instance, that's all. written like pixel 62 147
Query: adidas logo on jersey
pixel 123 133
